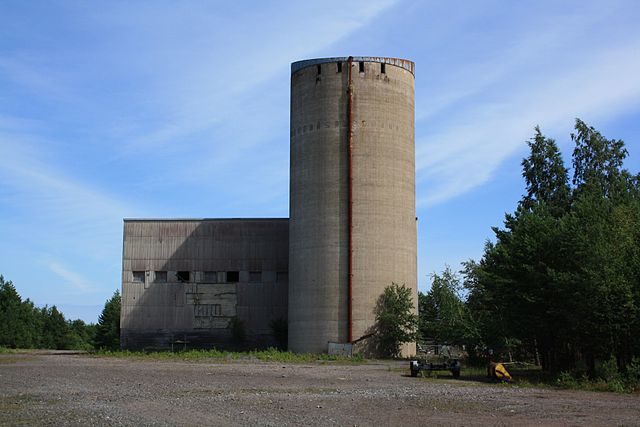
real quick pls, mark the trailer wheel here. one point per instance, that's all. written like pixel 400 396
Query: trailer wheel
pixel 413 368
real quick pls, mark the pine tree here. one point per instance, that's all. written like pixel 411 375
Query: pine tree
pixel 563 274
pixel 108 328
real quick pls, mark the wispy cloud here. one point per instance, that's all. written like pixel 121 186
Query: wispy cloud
pixel 29 76
pixel 42 186
pixel 208 79
pixel 71 278
pixel 501 108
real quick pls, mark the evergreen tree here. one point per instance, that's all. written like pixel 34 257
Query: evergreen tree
pixel 81 334
pixel 108 328
pixel 545 175
pixel 11 327
pixel 597 161
pixel 23 325
pixel 55 330
pixel 562 275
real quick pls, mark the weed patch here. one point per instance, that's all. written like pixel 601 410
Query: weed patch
pixel 269 355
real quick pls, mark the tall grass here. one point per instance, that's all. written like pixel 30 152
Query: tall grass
pixel 269 355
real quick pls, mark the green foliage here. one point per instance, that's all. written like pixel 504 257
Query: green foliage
pixel 58 336
pixel 444 317
pixel 563 275
pixel 16 318
pixel 632 375
pixel 23 325
pixel 108 328
pixel 545 174
pixel 396 322
pixel 82 335
pixel 269 355
pixel 280 331
pixel 617 384
pixel 608 370
pixel 597 161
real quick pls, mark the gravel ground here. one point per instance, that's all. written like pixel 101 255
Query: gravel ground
pixel 58 388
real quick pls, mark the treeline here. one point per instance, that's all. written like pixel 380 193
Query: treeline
pixel 23 325
pixel 561 282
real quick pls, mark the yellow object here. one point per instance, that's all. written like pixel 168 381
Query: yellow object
pixel 501 372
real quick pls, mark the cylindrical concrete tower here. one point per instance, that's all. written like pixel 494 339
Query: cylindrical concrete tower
pixel 352 228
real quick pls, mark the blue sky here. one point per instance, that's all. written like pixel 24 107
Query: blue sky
pixel 180 109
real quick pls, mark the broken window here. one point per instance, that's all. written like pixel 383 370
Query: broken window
pixel 233 276
pixel 138 276
pixel 161 276
pixel 361 66
pixel 383 68
pixel 183 276
pixel 339 67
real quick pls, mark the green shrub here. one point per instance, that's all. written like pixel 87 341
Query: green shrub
pixel 632 375
pixel 566 380
pixel 608 370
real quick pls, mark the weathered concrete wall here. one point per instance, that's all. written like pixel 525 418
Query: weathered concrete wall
pixel 156 313
pixel 383 230
pixel 318 210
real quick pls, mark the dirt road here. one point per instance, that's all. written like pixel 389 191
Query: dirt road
pixel 66 389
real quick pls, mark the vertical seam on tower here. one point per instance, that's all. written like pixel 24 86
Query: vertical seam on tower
pixel 350 201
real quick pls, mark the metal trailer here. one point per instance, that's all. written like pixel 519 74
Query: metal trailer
pixel 452 365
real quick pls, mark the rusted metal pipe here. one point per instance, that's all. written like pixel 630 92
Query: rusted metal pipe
pixel 350 196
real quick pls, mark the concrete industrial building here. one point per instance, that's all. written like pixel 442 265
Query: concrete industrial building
pixel 351 232
pixel 183 280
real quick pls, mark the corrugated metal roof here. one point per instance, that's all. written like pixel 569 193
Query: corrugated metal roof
pixel 402 63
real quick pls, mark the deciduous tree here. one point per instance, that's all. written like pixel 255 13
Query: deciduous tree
pixel 396 322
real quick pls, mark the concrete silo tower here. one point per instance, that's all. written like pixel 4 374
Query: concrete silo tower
pixel 352 228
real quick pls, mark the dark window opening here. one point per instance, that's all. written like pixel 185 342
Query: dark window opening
pixel 255 276
pixel 233 276
pixel 319 69
pixel 361 66
pixel 383 68
pixel 183 276
pixel 161 276
pixel 339 67
pixel 138 276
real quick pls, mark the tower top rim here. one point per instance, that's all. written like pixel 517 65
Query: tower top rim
pixel 398 62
